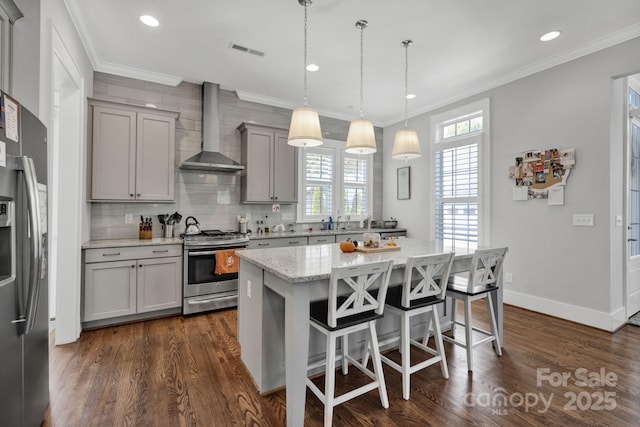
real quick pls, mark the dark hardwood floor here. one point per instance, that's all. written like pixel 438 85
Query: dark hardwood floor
pixel 187 372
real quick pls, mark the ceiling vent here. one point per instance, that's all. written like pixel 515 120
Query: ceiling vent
pixel 246 49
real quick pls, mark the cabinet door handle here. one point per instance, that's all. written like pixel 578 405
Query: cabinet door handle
pixel 295 242
pixel 112 254
pixel 133 266
pixel 263 244
pixel 161 252
pixel 130 194
pixel 321 240
pixel 140 266
pixel 138 195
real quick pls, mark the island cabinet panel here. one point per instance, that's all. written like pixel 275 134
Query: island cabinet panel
pixel 271 165
pixel 132 152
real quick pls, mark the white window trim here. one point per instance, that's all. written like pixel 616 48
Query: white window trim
pixel 338 179
pixel 484 156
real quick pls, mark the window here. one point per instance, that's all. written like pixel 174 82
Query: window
pixel 459 147
pixel 334 183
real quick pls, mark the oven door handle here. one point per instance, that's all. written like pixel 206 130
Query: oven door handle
pixel 201 253
pixel 206 301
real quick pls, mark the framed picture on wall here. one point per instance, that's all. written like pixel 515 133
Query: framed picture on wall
pixel 404 183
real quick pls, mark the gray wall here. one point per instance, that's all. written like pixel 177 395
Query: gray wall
pixel 213 199
pixel 557 268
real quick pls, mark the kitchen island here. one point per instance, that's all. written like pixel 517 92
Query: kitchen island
pixel 275 288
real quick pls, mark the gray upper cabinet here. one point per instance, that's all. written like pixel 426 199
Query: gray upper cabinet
pixel 271 169
pixel 132 152
pixel 9 13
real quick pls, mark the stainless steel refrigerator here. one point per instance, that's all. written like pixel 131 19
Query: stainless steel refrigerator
pixel 24 335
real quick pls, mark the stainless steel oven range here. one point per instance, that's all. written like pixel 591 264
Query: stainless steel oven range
pixel 203 289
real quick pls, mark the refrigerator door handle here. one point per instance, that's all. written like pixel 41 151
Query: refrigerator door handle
pixel 31 186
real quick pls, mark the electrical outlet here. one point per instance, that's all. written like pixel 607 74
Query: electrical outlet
pixel 128 218
pixel 583 220
pixel 287 216
pixel 248 288
pixel 508 278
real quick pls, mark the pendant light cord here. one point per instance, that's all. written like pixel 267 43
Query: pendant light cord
pixel 362 27
pixel 306 100
pixel 406 83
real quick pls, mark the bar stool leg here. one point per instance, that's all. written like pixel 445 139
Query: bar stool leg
pixel 428 330
pixel 454 305
pixel 329 380
pixel 405 345
pixel 494 326
pixel 345 351
pixel 437 337
pixel 468 329
pixel 377 364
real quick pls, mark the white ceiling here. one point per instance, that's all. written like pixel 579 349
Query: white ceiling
pixel 461 47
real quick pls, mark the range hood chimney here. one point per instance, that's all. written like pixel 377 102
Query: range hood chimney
pixel 210 159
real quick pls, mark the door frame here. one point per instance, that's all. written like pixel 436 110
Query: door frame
pixel 631 305
pixel 67 110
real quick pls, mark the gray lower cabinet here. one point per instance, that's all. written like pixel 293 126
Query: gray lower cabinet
pixel 277 242
pixel 138 280
pixel 323 240
pixel 355 237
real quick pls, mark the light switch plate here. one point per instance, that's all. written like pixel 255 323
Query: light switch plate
pixel 583 220
pixel 128 218
pixel 618 220
pixel 287 216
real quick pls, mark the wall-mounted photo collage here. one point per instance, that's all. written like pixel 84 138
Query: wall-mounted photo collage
pixel 542 174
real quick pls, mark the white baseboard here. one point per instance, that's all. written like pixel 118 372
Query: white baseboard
pixel 587 316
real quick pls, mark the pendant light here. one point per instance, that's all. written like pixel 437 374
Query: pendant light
pixel 406 145
pixel 361 139
pixel 304 130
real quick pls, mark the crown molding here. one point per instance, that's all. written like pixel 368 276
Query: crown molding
pixel 107 67
pixel 585 49
pixel 282 103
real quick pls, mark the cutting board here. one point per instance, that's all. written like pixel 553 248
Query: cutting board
pixel 366 250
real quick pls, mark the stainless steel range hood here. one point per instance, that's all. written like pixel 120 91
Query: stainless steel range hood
pixel 210 159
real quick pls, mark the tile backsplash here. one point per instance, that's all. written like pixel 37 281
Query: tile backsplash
pixel 213 199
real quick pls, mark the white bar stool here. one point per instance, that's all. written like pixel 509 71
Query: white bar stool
pixel 351 307
pixel 486 265
pixel 423 288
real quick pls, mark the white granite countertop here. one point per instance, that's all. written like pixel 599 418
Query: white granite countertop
pixel 299 264
pixel 121 243
pixel 313 233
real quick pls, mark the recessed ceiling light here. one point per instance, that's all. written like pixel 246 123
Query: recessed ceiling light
pixel 312 67
pixel 411 95
pixel 149 20
pixel 550 36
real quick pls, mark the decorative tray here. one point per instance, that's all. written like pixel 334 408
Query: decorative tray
pixel 367 250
